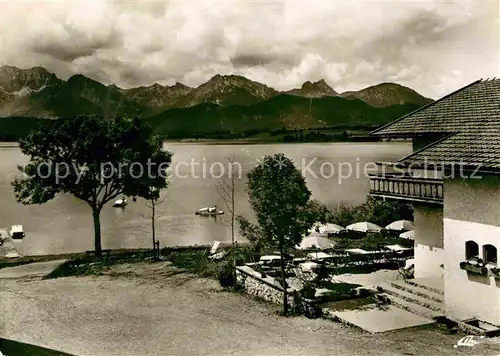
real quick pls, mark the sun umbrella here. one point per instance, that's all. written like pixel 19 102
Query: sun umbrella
pixel 408 235
pixel 331 229
pixel 316 242
pixel 314 229
pixel 401 225
pixel 364 226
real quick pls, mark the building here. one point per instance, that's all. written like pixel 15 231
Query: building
pixel 452 177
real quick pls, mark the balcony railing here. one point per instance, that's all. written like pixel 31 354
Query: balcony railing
pixel 396 186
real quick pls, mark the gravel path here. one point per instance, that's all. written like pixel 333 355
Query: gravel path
pixel 152 310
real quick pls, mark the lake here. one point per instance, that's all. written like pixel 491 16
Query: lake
pixel 64 224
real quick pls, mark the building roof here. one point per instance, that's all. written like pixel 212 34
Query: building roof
pixel 481 150
pixel 478 102
pixel 470 119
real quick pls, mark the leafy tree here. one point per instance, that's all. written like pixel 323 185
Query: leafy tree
pixel 94 159
pixel 373 210
pixel 283 207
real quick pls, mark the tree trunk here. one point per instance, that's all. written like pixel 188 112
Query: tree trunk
pixel 97 232
pixel 283 281
pixel 232 228
pixel 153 228
pixel 232 210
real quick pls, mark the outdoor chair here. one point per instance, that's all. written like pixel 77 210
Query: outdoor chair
pixel 407 271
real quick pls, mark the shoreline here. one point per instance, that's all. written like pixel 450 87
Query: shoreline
pixel 244 141
pixel 9 262
pixel 268 142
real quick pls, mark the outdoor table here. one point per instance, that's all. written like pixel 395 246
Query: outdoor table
pixel 401 250
pixel 359 256
pixel 320 256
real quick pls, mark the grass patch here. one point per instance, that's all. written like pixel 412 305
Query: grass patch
pixel 196 262
pixel 191 260
pixel 362 269
pixel 15 348
pixel 355 304
pixel 12 262
pixel 341 288
pixel 4 264
pixel 90 265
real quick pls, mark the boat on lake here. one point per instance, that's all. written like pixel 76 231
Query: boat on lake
pixel 17 232
pixel 120 203
pixel 209 211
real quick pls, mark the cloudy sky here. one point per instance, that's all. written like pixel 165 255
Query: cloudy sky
pixel 431 46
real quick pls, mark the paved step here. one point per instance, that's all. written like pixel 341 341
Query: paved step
pixel 410 307
pixel 412 298
pixel 418 291
pixel 422 284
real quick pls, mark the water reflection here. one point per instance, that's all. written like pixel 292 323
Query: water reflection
pixel 65 223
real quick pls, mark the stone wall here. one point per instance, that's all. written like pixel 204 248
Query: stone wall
pixel 267 288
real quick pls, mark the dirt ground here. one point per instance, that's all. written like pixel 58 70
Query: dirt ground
pixel 152 309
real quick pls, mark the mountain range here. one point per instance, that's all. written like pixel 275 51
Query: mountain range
pixel 223 103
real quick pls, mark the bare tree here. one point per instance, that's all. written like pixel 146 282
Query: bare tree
pixel 226 190
pixel 154 200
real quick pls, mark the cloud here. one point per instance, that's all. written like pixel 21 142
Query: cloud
pixel 71 43
pixel 250 60
pixel 350 44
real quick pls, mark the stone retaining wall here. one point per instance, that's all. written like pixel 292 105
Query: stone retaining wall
pixel 267 288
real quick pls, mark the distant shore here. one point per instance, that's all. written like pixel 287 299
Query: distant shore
pixel 238 141
pixel 217 141
pixel 260 141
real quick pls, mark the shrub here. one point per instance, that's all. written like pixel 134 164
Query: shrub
pixel 225 274
pixel 244 254
pixel 372 210
pixel 194 262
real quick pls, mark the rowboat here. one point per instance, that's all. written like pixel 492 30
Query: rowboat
pixel 209 211
pixel 120 203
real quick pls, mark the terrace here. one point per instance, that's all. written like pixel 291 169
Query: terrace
pixel 406 188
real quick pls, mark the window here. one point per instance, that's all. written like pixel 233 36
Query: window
pixel 490 254
pixel 471 250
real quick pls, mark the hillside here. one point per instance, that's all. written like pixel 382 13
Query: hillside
pixel 281 111
pixel 387 94
pixel 227 90
pixel 14 80
pixel 313 90
pixel 156 96
pixel 227 103
pixel 38 93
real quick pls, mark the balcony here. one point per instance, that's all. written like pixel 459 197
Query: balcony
pixel 406 188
